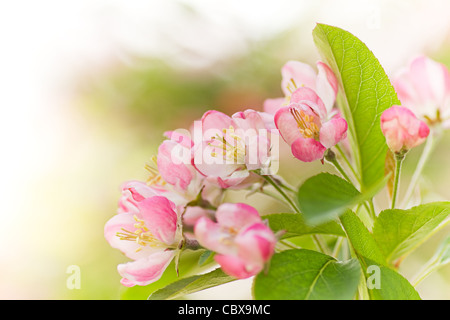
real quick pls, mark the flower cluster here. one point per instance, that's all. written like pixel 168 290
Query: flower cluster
pixel 180 205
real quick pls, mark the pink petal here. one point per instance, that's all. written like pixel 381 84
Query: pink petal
pixel 326 85
pixel 146 270
pixel 249 119
pixel 308 96
pixel 302 73
pixel 160 218
pixel 132 193
pixel 307 149
pixel 287 125
pixel 237 215
pixel 117 224
pixel 236 267
pixel 256 244
pixel 213 121
pixel 174 164
pixel 212 236
pixel 333 131
pixel 271 106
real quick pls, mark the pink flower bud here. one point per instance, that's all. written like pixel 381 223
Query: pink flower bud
pixel 402 129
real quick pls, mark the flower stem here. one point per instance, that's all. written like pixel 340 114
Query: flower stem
pixel 330 156
pixel 432 140
pixel 343 155
pixel 281 192
pixel 398 167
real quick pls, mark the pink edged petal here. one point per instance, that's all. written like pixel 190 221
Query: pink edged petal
pixel 256 244
pixel 287 125
pixel 117 224
pixel 192 214
pixel 211 236
pixel 160 218
pixel 326 85
pixel 237 215
pixel 236 267
pixel 213 120
pixel 249 119
pixel 333 131
pixel 132 193
pixel 308 96
pixel 302 74
pixel 174 164
pixel 182 137
pixel 307 149
pixel 271 106
pixel 269 122
pixel 146 270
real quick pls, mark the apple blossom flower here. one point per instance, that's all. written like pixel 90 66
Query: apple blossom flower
pixel 306 126
pixel 243 242
pixel 402 129
pixel 296 74
pixel 424 87
pixel 149 235
pixel 232 147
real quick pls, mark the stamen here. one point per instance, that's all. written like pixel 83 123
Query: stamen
pixel 142 236
pixel 305 123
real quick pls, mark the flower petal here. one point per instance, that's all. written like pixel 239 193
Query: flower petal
pixel 333 131
pixel 287 125
pixel 174 164
pixel 236 215
pixel 146 270
pixel 302 74
pixel 236 267
pixel 307 149
pixel 326 85
pixel 160 218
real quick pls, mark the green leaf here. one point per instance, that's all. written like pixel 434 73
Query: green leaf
pixel 294 225
pixel 191 284
pixel 325 196
pixel 393 286
pixel 398 232
pixel 301 274
pixel 364 93
pixel 361 239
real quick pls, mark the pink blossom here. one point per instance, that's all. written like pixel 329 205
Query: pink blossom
pixel 148 235
pixel 175 165
pixel 424 87
pixel 305 126
pixel 233 146
pixel 297 74
pixel 402 129
pixel 243 242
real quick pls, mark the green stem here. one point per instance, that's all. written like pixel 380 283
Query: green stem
pixel 432 140
pixel 317 240
pixel 330 156
pixel 398 167
pixel 349 165
pixel 282 193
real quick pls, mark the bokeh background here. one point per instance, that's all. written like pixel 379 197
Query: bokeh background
pixel 87 88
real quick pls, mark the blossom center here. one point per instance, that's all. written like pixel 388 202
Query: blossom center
pixel 306 125
pixel 142 235
pixel 229 146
